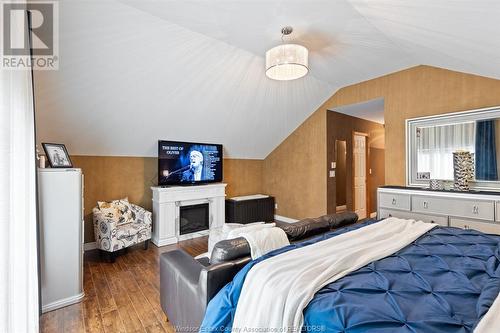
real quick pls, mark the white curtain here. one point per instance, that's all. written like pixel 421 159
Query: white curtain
pixel 18 228
pixel 435 147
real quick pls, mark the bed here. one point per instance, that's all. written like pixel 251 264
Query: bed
pixel 445 280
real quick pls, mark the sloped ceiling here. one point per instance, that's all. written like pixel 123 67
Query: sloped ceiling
pixel 372 110
pixel 132 72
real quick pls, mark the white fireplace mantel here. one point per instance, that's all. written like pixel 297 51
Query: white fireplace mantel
pixel 166 203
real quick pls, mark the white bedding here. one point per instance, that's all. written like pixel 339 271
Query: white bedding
pixel 235 233
pixel 260 244
pixel 277 290
pixel 262 238
pixel 265 240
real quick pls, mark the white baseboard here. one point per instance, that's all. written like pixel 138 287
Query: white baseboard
pixel 341 208
pixel 373 215
pixel 284 219
pixel 163 241
pixel 89 246
pixel 63 302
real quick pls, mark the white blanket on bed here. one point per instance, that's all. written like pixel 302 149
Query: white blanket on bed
pixel 265 240
pixel 277 290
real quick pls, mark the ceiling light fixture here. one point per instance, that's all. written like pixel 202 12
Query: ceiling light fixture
pixel 287 61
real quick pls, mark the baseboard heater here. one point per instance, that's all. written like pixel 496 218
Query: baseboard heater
pixel 250 208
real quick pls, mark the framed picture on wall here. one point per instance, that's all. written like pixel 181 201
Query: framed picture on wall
pixel 57 155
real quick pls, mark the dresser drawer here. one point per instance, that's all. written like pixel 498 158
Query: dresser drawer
pixel 497 207
pixel 394 201
pixel 476 209
pixel 441 220
pixel 486 227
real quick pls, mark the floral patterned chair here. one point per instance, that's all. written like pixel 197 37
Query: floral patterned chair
pixel 120 224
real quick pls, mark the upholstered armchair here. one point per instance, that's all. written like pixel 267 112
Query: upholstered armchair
pixel 111 234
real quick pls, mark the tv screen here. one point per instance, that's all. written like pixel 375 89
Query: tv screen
pixel 184 163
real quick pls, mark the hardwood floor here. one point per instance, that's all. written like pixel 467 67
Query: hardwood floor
pixel 119 297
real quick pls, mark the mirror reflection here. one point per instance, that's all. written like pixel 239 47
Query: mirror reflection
pixel 341 175
pixel 436 144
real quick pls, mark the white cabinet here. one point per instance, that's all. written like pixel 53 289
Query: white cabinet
pixel 468 210
pixel 60 193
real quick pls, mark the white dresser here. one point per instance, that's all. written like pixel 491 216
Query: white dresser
pixel 60 202
pixel 468 210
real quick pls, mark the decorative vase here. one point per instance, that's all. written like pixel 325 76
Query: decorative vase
pixel 436 184
pixel 41 161
pixel 463 170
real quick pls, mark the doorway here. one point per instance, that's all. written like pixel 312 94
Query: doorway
pixel 365 119
pixel 360 158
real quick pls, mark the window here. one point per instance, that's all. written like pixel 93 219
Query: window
pixel 436 144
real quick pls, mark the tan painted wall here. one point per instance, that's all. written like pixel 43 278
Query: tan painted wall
pixel 243 176
pixel 109 177
pixel 295 172
pixel 415 92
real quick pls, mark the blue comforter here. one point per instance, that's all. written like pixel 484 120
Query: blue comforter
pixel 444 282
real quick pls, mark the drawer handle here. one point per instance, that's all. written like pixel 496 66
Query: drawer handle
pixel 393 201
pixel 425 204
pixel 475 210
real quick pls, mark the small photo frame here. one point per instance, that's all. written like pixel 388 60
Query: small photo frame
pixel 57 155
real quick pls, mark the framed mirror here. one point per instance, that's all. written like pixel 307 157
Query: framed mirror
pixel 431 141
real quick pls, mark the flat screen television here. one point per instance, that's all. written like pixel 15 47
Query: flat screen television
pixel 188 163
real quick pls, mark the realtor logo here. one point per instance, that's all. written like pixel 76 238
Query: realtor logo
pixel 44 37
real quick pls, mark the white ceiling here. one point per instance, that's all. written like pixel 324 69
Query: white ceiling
pixel 372 110
pixel 132 72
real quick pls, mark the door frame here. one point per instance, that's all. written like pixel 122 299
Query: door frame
pixel 367 166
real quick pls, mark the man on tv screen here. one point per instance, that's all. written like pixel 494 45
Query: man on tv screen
pixel 188 163
pixel 194 173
